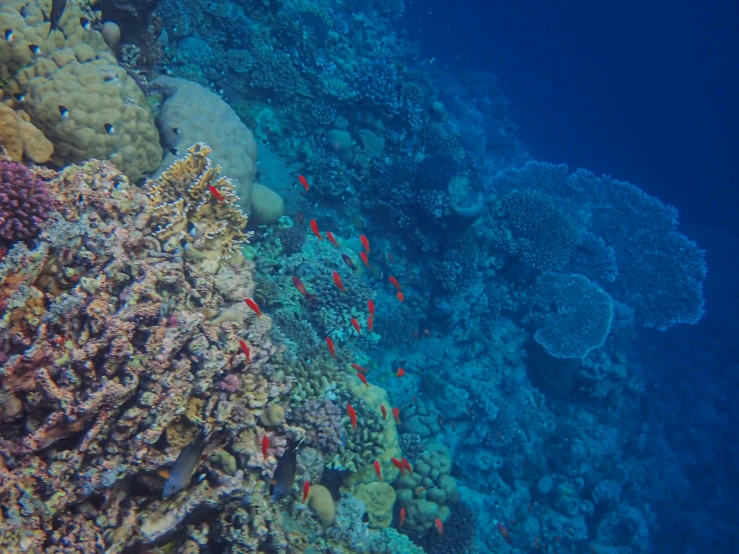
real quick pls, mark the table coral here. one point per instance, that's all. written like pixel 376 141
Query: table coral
pixel 109 371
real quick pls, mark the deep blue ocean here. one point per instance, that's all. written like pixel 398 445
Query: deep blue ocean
pixel 369 276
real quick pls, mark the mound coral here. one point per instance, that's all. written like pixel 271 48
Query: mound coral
pixel 109 338
pixel 574 315
pixel 20 138
pixel 73 90
pixel 25 202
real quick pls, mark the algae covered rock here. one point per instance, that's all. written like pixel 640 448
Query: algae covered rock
pixel 73 90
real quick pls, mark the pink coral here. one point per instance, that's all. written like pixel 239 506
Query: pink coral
pixel 230 383
pixel 25 202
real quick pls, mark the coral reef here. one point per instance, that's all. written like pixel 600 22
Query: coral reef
pixel 19 137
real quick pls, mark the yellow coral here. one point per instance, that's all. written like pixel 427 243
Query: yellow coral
pixel 183 198
pixel 70 85
pixel 379 499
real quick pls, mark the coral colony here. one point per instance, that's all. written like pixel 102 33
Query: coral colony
pixel 265 288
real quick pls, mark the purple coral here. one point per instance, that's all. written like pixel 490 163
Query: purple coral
pixel 25 202
pixel 322 423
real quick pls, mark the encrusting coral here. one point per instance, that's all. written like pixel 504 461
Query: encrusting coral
pixel 111 363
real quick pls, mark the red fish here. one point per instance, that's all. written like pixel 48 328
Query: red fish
pixel 384 411
pixel 365 260
pixel 371 307
pixel 332 239
pixel 371 323
pixel 396 414
pixel 337 280
pixel 407 465
pixel 365 243
pixel 378 470
pixel 301 217
pixel 400 372
pixel 362 378
pixel 352 415
pixel 355 324
pixel 245 350
pixel 306 490
pixel 402 516
pixel 397 463
pixel 400 296
pixel 348 261
pixel 253 306
pixel 394 282
pixel 390 258
pixel 331 347
pixel 304 182
pixel 216 193
pixel 301 287
pixel 504 532
pixel 314 228
pixel 439 526
pixel 359 368
pixel 265 446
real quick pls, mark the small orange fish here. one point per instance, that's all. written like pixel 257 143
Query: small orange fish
pixel 371 307
pixel 400 372
pixel 504 532
pixel 337 280
pixel 245 350
pixel 352 415
pixel 364 258
pixel 371 323
pixel 306 491
pixel 362 378
pixel 402 516
pixel 407 465
pixel 397 463
pixel 301 217
pixel 301 288
pixel 396 414
pixel 314 228
pixel 265 446
pixel 427 332
pixel 365 243
pixel 348 261
pixel 439 525
pixel 390 258
pixel 304 182
pixel 332 239
pixel 400 296
pixel 378 470
pixel 359 368
pixel 394 282
pixel 253 306
pixel 384 411
pixel 355 324
pixel 216 193
pixel 331 347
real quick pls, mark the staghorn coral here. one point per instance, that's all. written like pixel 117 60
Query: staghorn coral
pixel 25 202
pixel 103 354
pixel 73 90
pixel 186 205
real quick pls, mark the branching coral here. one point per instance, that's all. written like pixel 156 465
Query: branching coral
pixel 322 423
pixel 25 202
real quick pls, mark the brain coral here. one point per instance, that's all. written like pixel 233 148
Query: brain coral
pixel 575 315
pixel 74 91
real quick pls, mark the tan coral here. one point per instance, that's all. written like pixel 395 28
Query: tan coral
pixel 182 196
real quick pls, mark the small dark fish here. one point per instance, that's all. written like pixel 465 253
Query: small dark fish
pixel 20 97
pixel 176 130
pixel 284 475
pixel 34 48
pixel 174 151
pixel 85 23
pixel 57 10
pixel 184 466
pixel 348 261
pixel 109 129
pixel 9 35
pixel 64 112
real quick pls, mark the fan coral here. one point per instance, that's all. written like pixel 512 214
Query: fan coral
pixel 25 202
pixel 539 232
pixel 577 315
